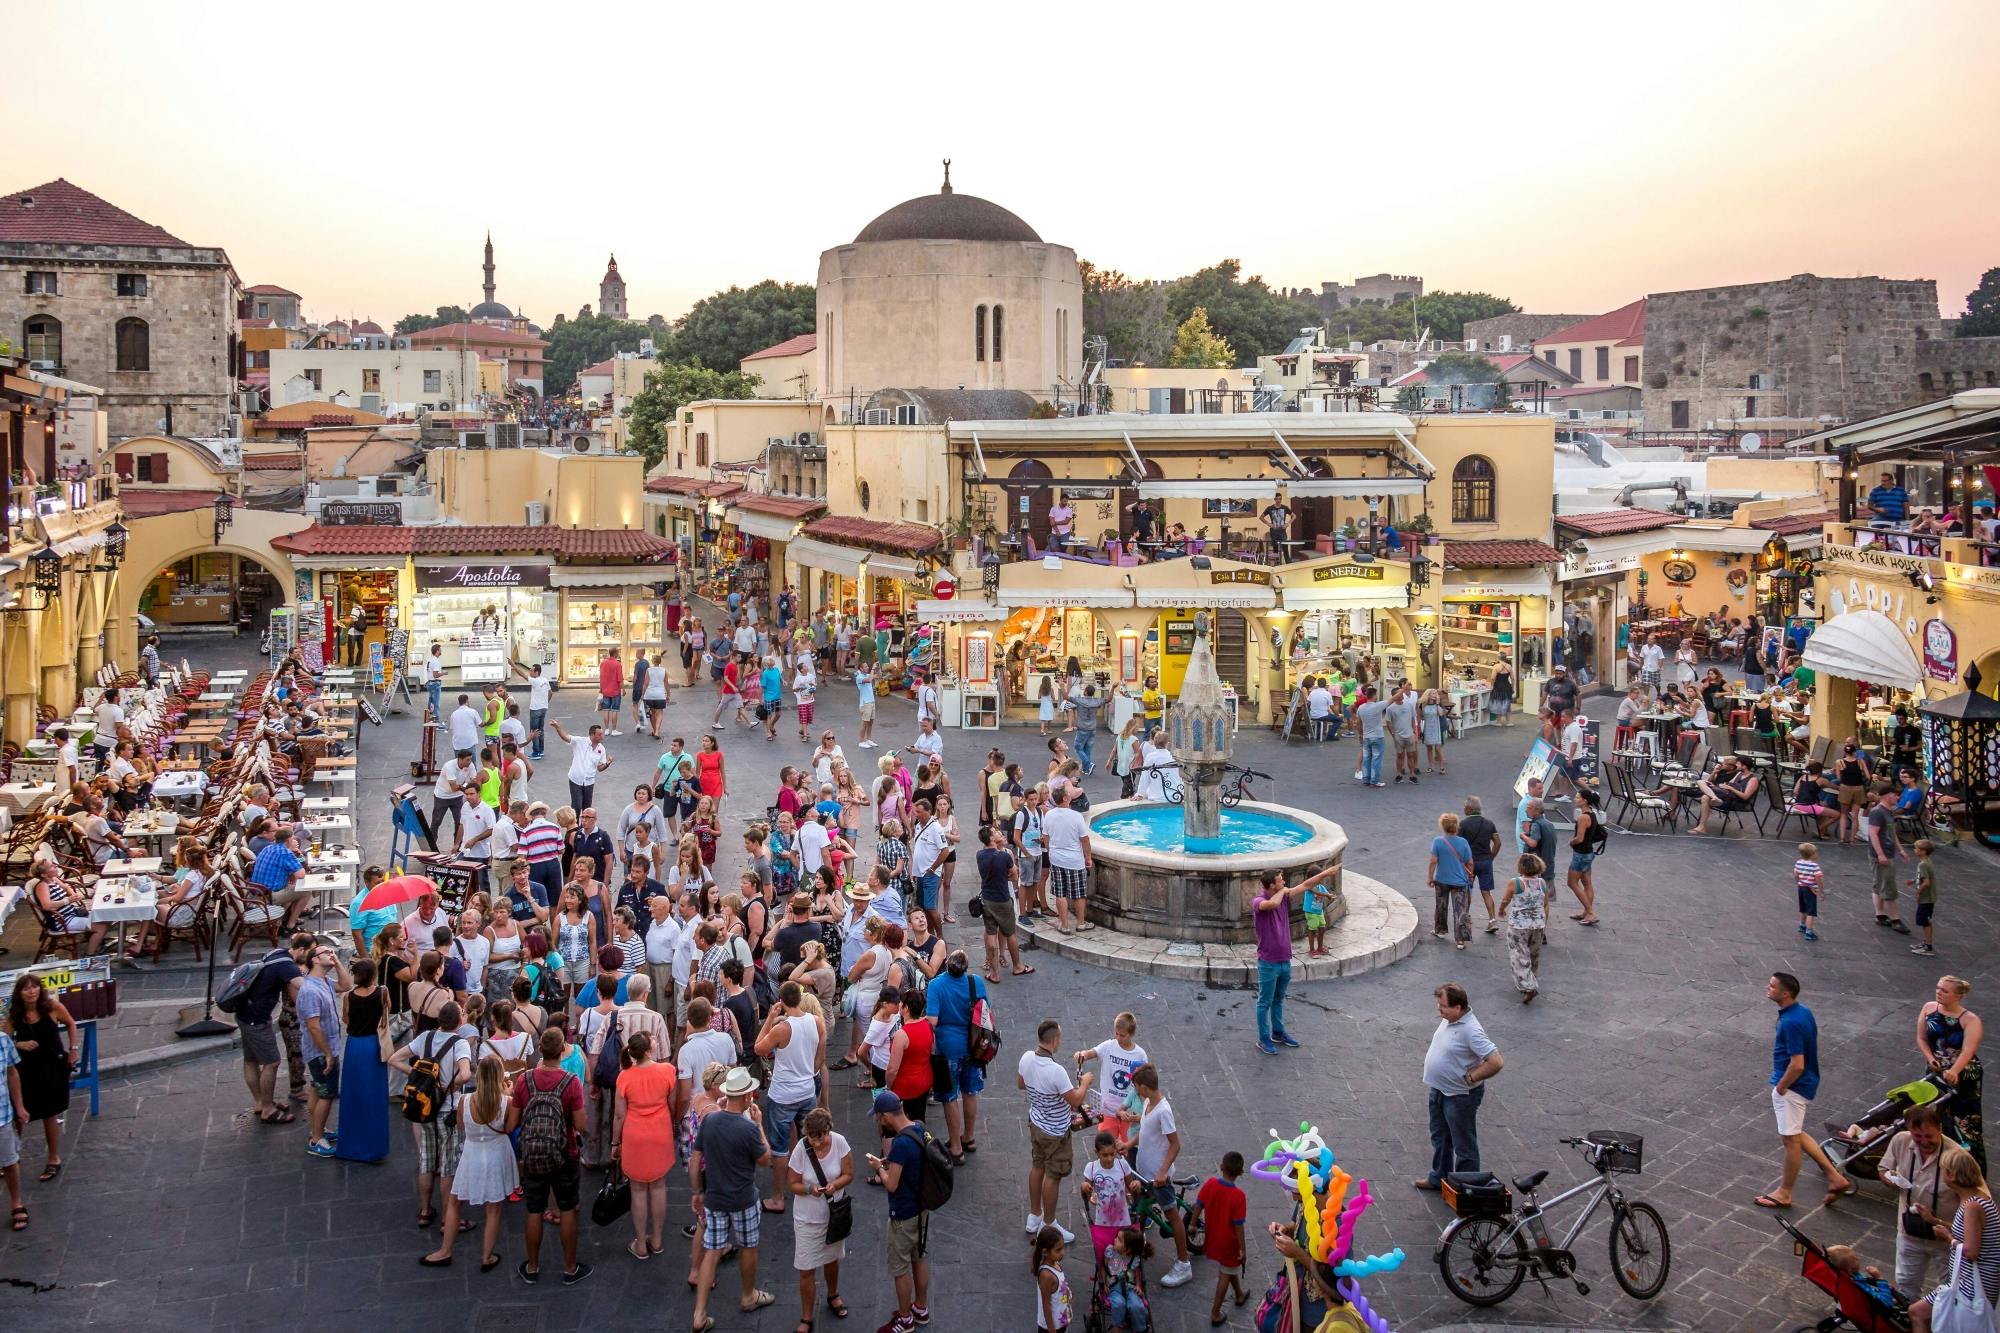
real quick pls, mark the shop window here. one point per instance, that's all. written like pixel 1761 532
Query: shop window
pixel 135 345
pixel 1472 490
pixel 131 284
pixel 42 336
pixel 979 333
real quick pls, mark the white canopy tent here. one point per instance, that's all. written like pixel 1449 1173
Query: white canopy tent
pixel 1864 645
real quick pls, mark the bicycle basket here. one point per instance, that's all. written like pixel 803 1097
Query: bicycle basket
pixel 1616 1150
pixel 1476 1194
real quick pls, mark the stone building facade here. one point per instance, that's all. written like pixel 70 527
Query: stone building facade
pixel 1516 332
pixel 1946 365
pixel 1376 289
pixel 1804 347
pixel 108 299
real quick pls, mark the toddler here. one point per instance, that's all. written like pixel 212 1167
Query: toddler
pixel 1808 876
pixel 1868 1278
pixel 1124 1273
pixel 1108 1185
pixel 1317 897
pixel 1926 886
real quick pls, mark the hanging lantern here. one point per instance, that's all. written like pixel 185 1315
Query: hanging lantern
pixel 1962 753
pixel 1774 556
pixel 115 538
pixel 989 574
pixel 225 513
pixel 1420 570
pixel 47 567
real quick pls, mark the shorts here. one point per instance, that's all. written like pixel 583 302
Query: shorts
pixel 438 1144
pixel 927 891
pixel 1031 868
pixel 566 1185
pixel 656 705
pixel 1580 862
pixel 324 1076
pixel 867 711
pixel 716 669
pixel 805 712
pixel 1885 881
pixel 1809 903
pixel 1925 911
pixel 1164 1197
pixel 1790 1108
pixel 809 1247
pixel 918 1107
pixel 1482 872
pixel 260 1042
pixel 1053 1153
pixel 907 1244
pixel 1850 796
pixel 967 1079
pixel 721 1230
pixel 1813 809
pixel 10 1145
pixel 610 703
pixel 780 1121
pixel 1067 883
pixel 1315 920
pixel 1000 918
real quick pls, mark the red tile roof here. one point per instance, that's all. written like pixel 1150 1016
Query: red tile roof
pixel 285 462
pixel 254 323
pixel 1626 322
pixel 64 214
pixel 1791 525
pixel 267 289
pixel 562 543
pixel 784 506
pixel 444 335
pixel 894 538
pixel 1499 554
pixel 798 346
pixel 152 501
pixel 601 368
pixel 1608 522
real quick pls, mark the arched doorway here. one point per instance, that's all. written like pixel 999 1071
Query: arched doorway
pixel 216 585
pixel 1029 496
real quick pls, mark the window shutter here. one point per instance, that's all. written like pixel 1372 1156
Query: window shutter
pixel 124 465
pixel 160 469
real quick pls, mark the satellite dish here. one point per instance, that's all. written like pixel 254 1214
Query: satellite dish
pixel 1751 443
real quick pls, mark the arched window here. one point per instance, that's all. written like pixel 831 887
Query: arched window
pixel 1472 490
pixel 42 335
pixel 135 344
pixel 998 311
pixel 979 333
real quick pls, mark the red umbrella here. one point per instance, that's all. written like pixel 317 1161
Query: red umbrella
pixel 401 889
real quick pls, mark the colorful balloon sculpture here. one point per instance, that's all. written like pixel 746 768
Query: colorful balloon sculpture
pixel 1331 1202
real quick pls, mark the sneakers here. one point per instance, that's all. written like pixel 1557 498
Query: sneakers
pixel 1809 932
pixel 1286 1039
pixel 1265 1045
pixel 897 1324
pixel 922 1313
pixel 613 732
pixel 1898 926
pixel 1923 951
pixel 319 1148
pixel 1415 781
pixel 1179 1275
pixel 867 745
pixel 577 1274
pixel 1034 1223
pixel 1399 777
pixel 1492 925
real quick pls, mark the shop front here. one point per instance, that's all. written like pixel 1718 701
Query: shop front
pixel 609 611
pixel 964 640
pixel 488 615
pixel 762 529
pixel 207 591
pixel 1487 618
pixel 1334 611
pixel 874 573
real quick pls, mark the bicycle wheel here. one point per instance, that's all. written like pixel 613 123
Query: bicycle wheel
pixel 1191 1219
pixel 1478 1267
pixel 1640 1251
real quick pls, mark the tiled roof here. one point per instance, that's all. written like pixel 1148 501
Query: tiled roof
pixel 152 501
pixel 446 334
pixel 601 368
pixel 798 346
pixel 254 323
pixel 285 462
pixel 563 543
pixel 895 538
pixel 1579 390
pixel 714 490
pixel 1499 554
pixel 784 506
pixel 1626 322
pixel 1608 522
pixel 1791 525
pixel 61 213
pixel 267 289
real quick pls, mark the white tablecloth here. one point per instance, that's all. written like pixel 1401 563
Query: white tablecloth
pixel 175 786
pixel 117 900
pixel 25 798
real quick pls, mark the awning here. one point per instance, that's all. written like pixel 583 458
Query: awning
pixel 1242 595
pixel 609 576
pixel 1864 645
pixel 1388 596
pixel 1198 489
pixel 769 526
pixel 820 555
pixel 1072 595
pixel 674 500
pixel 891 566
pixel 1354 488
pixel 933 612
pixel 1896 445
pixel 77 545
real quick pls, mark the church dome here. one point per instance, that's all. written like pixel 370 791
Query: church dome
pixel 491 310
pixel 947 216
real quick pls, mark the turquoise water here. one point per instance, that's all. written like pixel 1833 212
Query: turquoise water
pixel 1159 828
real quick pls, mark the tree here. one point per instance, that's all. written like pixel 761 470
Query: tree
pixel 1131 316
pixel 1197 346
pixel 1248 315
pixel 1370 322
pixel 1446 313
pixel 724 328
pixel 1982 308
pixel 670 388
pixel 446 314
pixel 576 343
pixel 1461 368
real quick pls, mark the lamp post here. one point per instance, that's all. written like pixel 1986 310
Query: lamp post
pixel 225 514
pixel 1962 754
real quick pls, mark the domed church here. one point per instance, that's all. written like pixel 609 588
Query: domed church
pixel 948 291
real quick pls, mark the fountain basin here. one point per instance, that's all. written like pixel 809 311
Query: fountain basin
pixel 1148 883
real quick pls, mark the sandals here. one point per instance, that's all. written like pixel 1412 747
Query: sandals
pixel 638 1251
pixel 970 1144
pixel 425 1216
pixel 844 1062
pixel 758 1300
pixel 838 1306
pixel 1025 972
pixel 283 1116
pixel 21 1219
pixel 50 1172
pixel 489 1263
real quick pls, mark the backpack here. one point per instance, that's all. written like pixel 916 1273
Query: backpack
pixel 230 998
pixel 545 1129
pixel 934 1181
pixel 604 1069
pixel 905 976
pixel 424 1091
pixel 983 1043
pixel 1593 841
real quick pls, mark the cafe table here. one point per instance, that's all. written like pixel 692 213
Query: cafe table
pixel 149 826
pixel 137 865
pixel 180 785
pixel 24 798
pixel 328 887
pixel 319 826
pixel 333 858
pixel 120 902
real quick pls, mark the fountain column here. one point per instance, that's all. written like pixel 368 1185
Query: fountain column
pixel 1203 740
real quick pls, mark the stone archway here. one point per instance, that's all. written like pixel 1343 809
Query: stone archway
pixel 122 625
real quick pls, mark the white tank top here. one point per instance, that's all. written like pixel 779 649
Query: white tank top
pixel 793 1063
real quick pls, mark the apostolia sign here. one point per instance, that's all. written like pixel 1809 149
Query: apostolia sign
pixel 482 576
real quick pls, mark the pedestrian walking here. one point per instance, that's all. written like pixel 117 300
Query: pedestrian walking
pixel 728 1149
pixel 1913 1165
pixel 1482 835
pixel 1794 1081
pixel 1585 844
pixel 610 692
pixel 1450 875
pixel 1525 905
pixel 1460 1060
pixel 1368 716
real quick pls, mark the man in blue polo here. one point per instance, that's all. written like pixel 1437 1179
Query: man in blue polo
pixel 1888 501
pixel 1794 1081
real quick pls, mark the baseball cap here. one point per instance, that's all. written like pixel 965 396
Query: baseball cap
pixel 886 1101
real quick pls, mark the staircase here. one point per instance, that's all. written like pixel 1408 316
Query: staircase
pixel 1232 659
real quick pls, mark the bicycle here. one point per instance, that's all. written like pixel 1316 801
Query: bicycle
pixel 1148 1212
pixel 1485 1254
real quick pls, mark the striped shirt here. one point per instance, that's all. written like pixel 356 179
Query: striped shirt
pixel 1808 874
pixel 540 841
pixel 635 952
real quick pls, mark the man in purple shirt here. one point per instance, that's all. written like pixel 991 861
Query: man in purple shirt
pixel 1272 913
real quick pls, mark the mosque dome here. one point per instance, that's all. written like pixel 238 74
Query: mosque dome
pixel 947 216
pixel 491 310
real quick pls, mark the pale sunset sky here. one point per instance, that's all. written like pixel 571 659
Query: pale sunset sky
pixel 1571 158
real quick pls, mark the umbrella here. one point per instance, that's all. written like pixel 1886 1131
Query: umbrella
pixel 401 889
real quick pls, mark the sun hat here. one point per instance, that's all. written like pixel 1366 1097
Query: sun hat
pixel 739 1083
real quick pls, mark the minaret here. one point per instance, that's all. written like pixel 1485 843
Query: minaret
pixel 489 267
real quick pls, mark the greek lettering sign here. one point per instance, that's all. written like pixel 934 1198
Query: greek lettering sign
pixel 482 576
pixel 352 513
pixel 1328 573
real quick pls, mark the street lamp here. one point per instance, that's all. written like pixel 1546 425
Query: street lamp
pixel 1962 754
pixel 115 538
pixel 989 574
pixel 225 514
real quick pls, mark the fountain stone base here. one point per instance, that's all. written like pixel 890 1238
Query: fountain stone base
pixel 1205 898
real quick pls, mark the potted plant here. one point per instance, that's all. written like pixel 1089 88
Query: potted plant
pixel 1349 534
pixel 1199 542
pixel 1421 528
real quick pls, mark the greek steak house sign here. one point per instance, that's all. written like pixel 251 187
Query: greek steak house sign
pixel 482 576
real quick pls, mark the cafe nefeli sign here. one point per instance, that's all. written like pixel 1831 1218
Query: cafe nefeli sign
pixel 480 578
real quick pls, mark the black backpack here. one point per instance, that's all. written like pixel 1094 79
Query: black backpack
pixel 604 1071
pixel 1598 835
pixel 934 1180
pixel 237 988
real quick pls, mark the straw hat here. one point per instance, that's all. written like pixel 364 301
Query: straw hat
pixel 860 893
pixel 739 1083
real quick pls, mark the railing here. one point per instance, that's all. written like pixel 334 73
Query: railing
pixel 1898 541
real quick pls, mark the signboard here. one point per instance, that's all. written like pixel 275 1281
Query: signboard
pixel 356 514
pixel 482 576
pixel 944 589
pixel 1586 764
pixel 1261 577
pixel 1540 763
pixel 1678 571
pixel 1940 651
pixel 1328 573
pixel 978 654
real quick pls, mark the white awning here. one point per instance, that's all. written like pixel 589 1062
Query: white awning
pixel 1074 595
pixel 1198 489
pixel 933 612
pixel 77 545
pixel 769 526
pixel 1354 488
pixel 892 566
pixel 609 576
pixel 821 555
pixel 1391 596
pixel 1245 596
pixel 1864 645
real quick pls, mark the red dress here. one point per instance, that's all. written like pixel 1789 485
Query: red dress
pixel 913 1076
pixel 709 762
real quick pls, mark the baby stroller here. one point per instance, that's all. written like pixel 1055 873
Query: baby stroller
pixel 1102 1318
pixel 1852 1307
pixel 1860 1155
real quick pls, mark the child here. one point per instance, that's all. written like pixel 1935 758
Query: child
pixel 1109 1184
pixel 1869 1279
pixel 805 686
pixel 1926 885
pixel 1051 1283
pixel 1046 705
pixel 882 1025
pixel 1318 895
pixel 1808 876
pixel 1113 1096
pixel 704 829
pixel 1223 1205
pixel 1125 1275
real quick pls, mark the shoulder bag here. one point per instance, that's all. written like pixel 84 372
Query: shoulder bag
pixel 839 1212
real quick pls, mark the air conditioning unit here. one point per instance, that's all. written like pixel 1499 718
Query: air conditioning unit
pixel 371 402
pixel 504 435
pixel 49 366
pixel 538 514
pixel 1472 344
pixel 805 439
pixel 584 444
pixel 1506 342
pixel 472 439
pixel 776 441
pixel 365 488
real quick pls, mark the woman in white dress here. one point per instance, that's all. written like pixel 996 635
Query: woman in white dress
pixel 1684 671
pixel 1156 761
pixel 486 1171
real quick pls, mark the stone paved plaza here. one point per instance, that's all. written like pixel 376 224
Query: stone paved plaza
pixel 178 1211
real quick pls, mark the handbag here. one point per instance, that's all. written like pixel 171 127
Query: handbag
pixel 614 1198
pixel 1961 1306
pixel 839 1212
